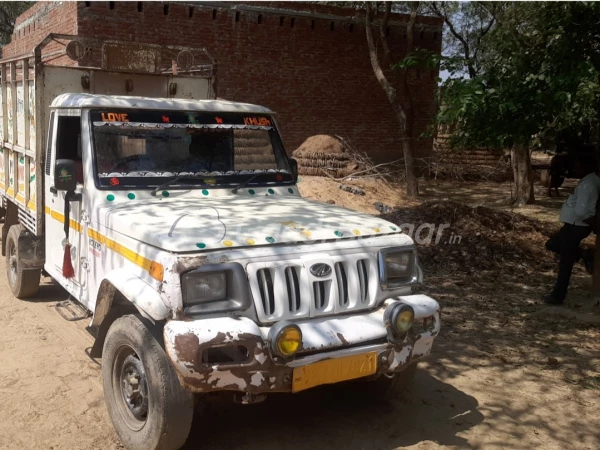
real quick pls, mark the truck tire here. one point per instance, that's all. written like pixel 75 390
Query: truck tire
pixel 146 403
pixel 23 282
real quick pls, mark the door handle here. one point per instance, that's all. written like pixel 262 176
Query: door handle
pixel 53 190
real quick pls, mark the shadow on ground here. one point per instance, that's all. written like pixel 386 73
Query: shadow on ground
pixel 49 292
pixel 430 410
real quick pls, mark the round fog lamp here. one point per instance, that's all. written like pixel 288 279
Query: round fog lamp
pixel 286 339
pixel 400 317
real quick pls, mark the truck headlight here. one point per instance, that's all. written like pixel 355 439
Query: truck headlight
pixel 398 319
pixel 215 288
pixel 397 267
pixel 285 339
pixel 202 287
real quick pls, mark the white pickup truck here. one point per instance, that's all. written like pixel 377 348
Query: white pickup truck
pixel 178 224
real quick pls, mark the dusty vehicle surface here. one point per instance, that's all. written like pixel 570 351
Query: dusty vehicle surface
pixel 177 223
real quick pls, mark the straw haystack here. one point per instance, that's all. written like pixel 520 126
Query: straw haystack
pixel 323 154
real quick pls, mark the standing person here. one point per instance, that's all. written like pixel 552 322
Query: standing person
pixel 578 215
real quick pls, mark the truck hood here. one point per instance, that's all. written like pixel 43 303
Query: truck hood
pixel 196 224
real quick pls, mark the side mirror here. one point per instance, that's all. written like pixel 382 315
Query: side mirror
pixel 294 167
pixel 65 175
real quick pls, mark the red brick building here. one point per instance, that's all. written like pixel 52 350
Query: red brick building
pixel 308 62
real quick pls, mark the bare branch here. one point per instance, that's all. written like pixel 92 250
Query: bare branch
pixel 459 38
pixel 483 32
pixel 492 11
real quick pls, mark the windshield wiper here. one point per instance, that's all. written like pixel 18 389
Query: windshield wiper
pixel 171 181
pixel 243 184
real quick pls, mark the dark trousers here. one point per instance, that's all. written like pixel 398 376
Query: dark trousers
pixel 566 244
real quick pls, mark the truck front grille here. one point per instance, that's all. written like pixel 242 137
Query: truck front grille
pixel 285 290
pixel 265 286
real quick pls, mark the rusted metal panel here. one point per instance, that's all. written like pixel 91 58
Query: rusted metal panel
pixel 187 341
pixel 130 57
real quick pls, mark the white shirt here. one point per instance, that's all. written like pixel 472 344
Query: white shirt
pixel 581 204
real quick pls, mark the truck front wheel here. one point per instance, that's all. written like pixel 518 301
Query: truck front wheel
pixel 23 282
pixel 148 407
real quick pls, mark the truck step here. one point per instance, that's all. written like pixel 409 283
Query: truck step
pixel 71 310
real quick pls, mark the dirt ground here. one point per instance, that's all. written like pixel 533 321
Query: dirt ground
pixel 500 377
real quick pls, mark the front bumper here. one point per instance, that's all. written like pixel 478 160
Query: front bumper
pixel 187 343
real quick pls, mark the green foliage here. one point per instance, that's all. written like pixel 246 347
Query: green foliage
pixel 538 76
pixel 9 11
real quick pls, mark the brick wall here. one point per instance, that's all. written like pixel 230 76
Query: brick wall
pixel 37 22
pixel 313 69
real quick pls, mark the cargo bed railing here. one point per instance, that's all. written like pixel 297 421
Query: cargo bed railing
pixel 22 112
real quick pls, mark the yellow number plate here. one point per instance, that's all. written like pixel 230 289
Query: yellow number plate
pixel 334 371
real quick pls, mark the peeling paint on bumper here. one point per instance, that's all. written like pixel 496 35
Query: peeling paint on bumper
pixel 259 372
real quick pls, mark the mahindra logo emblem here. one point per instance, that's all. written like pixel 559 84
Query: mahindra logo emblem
pixel 320 270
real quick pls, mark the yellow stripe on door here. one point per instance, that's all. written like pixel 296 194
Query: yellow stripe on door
pixel 155 269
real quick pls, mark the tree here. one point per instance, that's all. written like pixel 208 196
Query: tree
pixel 467 24
pixel 395 84
pixel 537 76
pixel 9 11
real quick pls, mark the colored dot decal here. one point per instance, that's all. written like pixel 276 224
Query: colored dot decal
pixel 394 228
pixel 338 233
pixel 250 241
pixel 376 230
pixel 204 192
pixel 201 245
pixel 165 193
pixel 131 196
pixel 227 243
pixel 270 239
pixel 290 190
pixel 356 232
pixel 251 191
pixel 271 191
pixel 110 197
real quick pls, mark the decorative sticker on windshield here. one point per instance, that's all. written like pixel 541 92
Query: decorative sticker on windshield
pixel 114 117
pixel 182 118
pixel 257 121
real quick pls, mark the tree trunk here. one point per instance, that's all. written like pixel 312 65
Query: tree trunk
pixel 412 183
pixel 401 104
pixel 523 176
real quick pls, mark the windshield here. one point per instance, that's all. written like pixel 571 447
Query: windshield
pixel 147 148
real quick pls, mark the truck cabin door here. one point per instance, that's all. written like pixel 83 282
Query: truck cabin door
pixel 64 142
